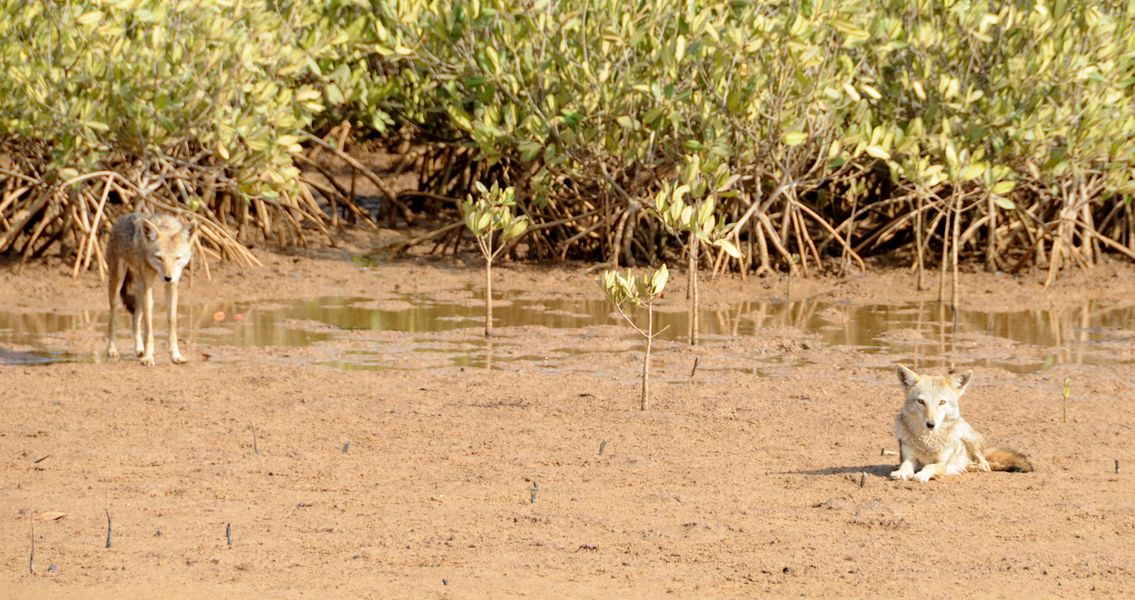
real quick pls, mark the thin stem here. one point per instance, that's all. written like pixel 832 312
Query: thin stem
pixel 945 259
pixel 628 319
pixel 918 245
pixel 693 289
pixel 488 297
pixel 954 252
pixel 646 355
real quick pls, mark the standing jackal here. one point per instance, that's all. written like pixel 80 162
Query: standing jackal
pixel 142 249
pixel 934 439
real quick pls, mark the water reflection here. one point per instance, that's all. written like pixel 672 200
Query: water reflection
pixel 1027 340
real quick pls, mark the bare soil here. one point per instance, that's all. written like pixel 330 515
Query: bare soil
pixel 444 481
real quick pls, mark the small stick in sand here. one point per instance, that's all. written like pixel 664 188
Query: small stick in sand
pixel 255 448
pixel 229 534
pixel 602 446
pixel 109 530
pixel 31 557
pixel 535 492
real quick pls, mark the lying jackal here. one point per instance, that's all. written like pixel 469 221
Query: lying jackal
pixel 934 439
pixel 143 248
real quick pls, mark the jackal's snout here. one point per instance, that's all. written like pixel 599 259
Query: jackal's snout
pixel 930 424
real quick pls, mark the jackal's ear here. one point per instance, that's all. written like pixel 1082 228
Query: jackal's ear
pixel 150 230
pixel 961 380
pixel 907 377
pixel 189 231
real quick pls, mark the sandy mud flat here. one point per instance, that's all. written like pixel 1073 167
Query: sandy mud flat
pixel 347 426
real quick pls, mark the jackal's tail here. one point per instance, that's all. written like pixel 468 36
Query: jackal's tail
pixel 1009 460
pixel 126 292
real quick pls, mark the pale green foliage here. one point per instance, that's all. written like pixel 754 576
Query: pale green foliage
pixel 698 218
pixel 144 78
pixel 367 68
pixel 622 290
pixel 490 213
pixel 240 82
pixel 995 105
pixel 983 95
pixel 986 100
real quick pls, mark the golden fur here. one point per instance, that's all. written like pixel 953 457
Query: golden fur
pixel 934 439
pixel 142 249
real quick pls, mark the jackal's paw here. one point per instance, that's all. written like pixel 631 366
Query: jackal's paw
pixel 111 352
pixel 147 361
pixel 140 351
pixel 983 465
pixel 900 474
pixel 922 477
pixel 178 359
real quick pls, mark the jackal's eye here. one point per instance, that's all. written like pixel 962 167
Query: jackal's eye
pixel 941 402
pixel 921 401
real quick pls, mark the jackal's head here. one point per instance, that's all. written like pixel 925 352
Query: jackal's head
pixel 169 246
pixel 932 400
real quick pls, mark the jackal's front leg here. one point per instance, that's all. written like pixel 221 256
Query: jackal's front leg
pixel 171 300
pixel 931 471
pixel 148 309
pixel 117 275
pixel 906 466
pixel 137 316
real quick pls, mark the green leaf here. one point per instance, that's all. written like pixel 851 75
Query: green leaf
pixel 951 155
pixel 878 152
pixel 1003 187
pixel 705 211
pixel 658 280
pixel 729 248
pixel 795 138
pixel 89 18
pixel 516 229
pixel 1005 203
pixel 529 150
pixel 333 93
pixel 687 216
pixel 728 183
pixel 972 172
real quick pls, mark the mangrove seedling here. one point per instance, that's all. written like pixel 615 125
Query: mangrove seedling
pixel 698 220
pixel 628 290
pixel 485 216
